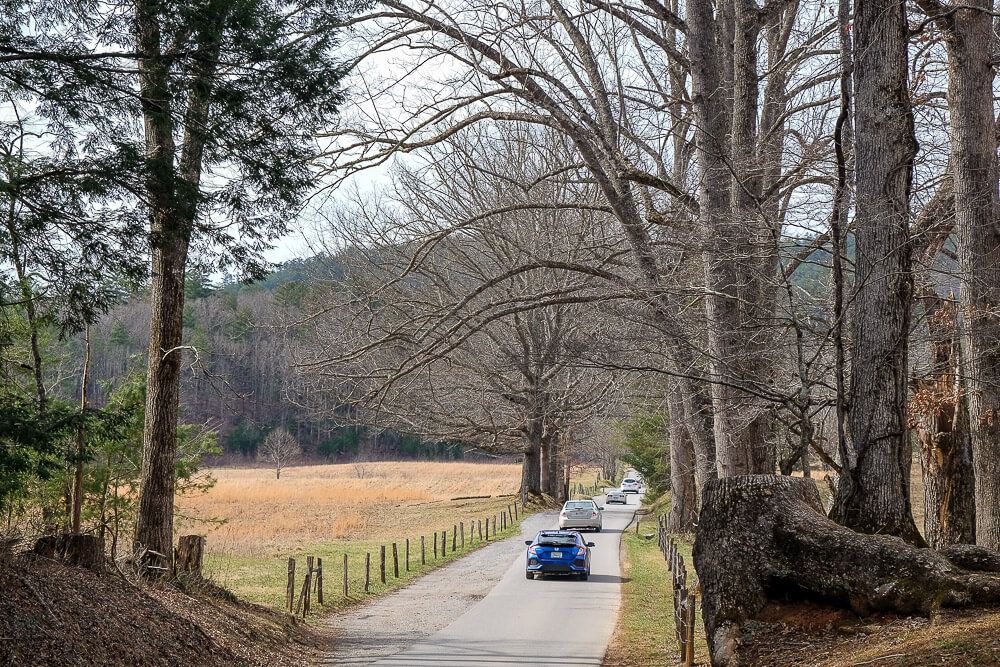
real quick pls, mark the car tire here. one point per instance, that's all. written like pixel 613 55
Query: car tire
pixel 597 530
pixel 584 576
pixel 529 575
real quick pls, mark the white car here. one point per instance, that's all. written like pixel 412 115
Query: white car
pixel 631 485
pixel 616 496
pixel 581 515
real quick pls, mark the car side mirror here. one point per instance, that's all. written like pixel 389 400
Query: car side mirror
pixel 591 544
pixel 528 542
pixel 600 507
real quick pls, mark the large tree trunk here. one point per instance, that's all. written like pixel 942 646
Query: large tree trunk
pixel 173 196
pixel 740 422
pixel 939 415
pixel 697 415
pixel 683 494
pixel 873 493
pixel 531 466
pixel 762 537
pixel 154 528
pixel 973 161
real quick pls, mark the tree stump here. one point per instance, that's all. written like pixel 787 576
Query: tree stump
pixel 75 549
pixel 762 537
pixel 188 555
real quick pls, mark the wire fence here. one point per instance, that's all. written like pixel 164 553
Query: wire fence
pixel 359 578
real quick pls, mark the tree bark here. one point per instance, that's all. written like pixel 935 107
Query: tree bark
pixel 775 529
pixel 189 554
pixel 683 494
pixel 740 422
pixel 873 493
pixel 531 470
pixel 81 436
pixel 173 197
pixel 696 404
pixel 973 162
pixel 154 527
pixel 551 477
pixel 938 410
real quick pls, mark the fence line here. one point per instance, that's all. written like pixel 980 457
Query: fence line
pixel 312 583
pixel 685 601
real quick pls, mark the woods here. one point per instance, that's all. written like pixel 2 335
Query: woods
pixel 724 243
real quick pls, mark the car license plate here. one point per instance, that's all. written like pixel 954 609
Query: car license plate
pixel 557 554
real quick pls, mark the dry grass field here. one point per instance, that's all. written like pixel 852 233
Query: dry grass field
pixel 336 502
pixel 255 522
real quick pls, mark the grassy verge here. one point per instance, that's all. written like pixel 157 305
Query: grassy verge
pixel 645 634
pixel 263 578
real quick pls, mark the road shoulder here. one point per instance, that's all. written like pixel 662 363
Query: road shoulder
pixel 385 626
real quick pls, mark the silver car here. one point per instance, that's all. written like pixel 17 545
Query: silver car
pixel 616 496
pixel 581 515
pixel 631 485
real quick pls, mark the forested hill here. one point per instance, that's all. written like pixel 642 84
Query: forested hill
pixel 239 376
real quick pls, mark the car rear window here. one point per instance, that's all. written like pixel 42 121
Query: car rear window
pixel 579 505
pixel 557 540
pixel 629 481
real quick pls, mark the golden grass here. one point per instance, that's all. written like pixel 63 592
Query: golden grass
pixel 255 522
pixel 248 511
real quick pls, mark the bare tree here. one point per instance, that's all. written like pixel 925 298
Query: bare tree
pixel 873 494
pixel 969 36
pixel 280 449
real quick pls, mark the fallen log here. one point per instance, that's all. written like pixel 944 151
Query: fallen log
pixel 766 537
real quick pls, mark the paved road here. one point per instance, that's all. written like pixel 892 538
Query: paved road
pixel 552 621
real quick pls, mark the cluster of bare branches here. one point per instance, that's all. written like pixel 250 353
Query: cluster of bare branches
pixel 758 188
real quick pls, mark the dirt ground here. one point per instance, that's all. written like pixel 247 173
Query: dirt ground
pixel 809 635
pixel 56 615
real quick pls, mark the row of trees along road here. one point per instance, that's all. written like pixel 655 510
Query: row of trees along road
pixel 728 150
pixel 776 222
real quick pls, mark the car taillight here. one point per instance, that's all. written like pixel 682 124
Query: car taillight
pixel 562 514
pixel 532 551
pixel 581 552
pixel 593 515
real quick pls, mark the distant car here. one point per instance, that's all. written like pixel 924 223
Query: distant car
pixel 631 485
pixel 558 552
pixel 616 496
pixel 581 514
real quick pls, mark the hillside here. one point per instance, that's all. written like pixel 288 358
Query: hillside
pixel 55 615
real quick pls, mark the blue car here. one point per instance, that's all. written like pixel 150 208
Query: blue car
pixel 558 552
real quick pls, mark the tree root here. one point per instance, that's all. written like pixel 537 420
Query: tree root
pixel 766 537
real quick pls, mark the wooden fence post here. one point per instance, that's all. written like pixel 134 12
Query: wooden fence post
pixel 368 569
pixel 461 525
pixel 516 518
pixel 407 554
pixel 319 578
pixel 454 537
pixel 510 516
pixel 692 606
pixel 494 526
pixel 444 542
pixel 308 584
pixel 423 551
pixel 435 541
pixel 290 590
pixel 395 561
pixel 480 522
pixel 382 563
